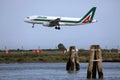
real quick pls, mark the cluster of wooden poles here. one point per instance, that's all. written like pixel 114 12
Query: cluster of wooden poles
pixel 95 62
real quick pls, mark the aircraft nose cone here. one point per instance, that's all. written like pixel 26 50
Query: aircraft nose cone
pixel 26 20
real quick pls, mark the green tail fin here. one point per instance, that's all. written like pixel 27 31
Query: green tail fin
pixel 89 16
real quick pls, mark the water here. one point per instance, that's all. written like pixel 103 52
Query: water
pixel 53 71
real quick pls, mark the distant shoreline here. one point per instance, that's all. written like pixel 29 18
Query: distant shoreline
pixel 51 56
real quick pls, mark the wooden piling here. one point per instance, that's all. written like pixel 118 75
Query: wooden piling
pixel 73 60
pixel 95 63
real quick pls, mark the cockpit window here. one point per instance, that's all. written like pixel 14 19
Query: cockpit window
pixel 27 17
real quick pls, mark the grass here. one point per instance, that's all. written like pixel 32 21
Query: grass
pixel 51 56
pixel 30 57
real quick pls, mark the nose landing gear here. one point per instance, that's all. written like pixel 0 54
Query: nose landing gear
pixel 33 26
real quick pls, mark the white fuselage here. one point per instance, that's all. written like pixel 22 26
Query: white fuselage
pixel 64 21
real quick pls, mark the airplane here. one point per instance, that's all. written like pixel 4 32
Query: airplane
pixel 56 22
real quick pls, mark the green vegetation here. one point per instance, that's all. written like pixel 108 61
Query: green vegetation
pixel 30 57
pixel 51 56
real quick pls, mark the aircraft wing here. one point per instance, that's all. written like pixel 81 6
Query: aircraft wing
pixel 55 22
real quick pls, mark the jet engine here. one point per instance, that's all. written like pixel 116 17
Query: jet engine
pixel 46 24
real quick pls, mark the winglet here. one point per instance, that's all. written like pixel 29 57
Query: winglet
pixel 89 16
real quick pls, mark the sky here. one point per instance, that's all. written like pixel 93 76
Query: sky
pixel 15 33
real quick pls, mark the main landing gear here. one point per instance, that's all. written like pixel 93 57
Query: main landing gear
pixel 57 28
